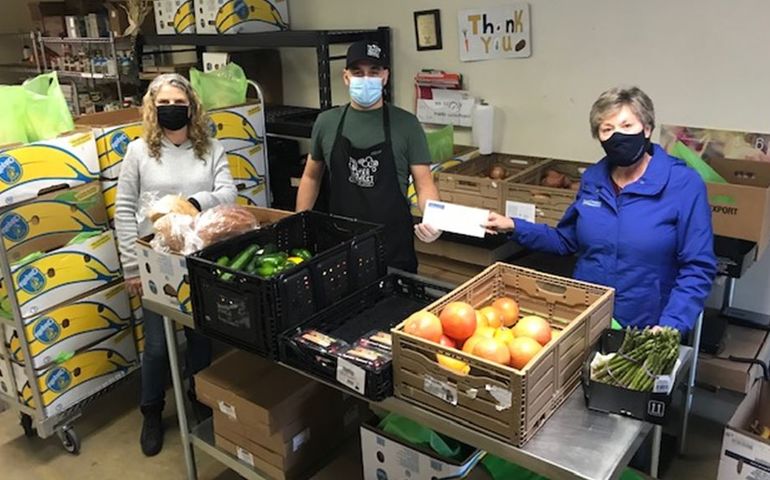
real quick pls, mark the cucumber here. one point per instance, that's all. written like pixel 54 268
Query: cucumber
pixel 223 261
pixel 241 261
pixel 302 253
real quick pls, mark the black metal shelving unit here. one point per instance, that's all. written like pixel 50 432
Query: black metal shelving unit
pixel 284 119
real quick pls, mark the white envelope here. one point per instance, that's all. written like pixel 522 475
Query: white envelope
pixel 459 219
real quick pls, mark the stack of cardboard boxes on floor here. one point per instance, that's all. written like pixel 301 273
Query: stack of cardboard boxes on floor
pixel 273 419
pixel 72 337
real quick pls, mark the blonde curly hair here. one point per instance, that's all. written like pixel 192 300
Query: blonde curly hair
pixel 198 129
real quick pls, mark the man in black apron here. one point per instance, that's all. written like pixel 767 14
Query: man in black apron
pixel 369 150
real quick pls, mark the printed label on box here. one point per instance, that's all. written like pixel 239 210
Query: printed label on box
pixel 350 375
pixel 228 410
pixel 245 456
pixel 525 211
pixel 300 439
pixel 443 390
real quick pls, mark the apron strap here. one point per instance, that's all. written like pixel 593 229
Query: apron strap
pixel 342 123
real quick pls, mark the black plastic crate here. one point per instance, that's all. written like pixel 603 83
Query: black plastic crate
pixel 248 311
pixel 380 306
pixel 648 406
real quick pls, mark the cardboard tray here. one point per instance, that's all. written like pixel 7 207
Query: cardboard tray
pixel 497 400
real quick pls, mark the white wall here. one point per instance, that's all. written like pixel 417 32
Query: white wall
pixel 703 62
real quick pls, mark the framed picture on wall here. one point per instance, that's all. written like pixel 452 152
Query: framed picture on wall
pixel 427 29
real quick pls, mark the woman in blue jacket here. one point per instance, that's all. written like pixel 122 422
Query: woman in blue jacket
pixel 641 222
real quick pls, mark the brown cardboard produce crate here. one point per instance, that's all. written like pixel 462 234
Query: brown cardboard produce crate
pixel 550 203
pixel 497 400
pixel 468 183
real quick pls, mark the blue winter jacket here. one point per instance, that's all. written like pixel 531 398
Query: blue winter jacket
pixel 653 242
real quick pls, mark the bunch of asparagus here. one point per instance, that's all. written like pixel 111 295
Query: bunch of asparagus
pixel 643 356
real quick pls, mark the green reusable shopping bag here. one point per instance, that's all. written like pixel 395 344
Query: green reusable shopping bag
pixel 47 114
pixel 13 100
pixel 683 152
pixel 220 88
pixel 441 144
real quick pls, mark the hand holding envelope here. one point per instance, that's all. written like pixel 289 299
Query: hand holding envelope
pixel 453 218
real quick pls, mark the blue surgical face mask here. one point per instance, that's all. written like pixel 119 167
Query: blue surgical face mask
pixel 366 91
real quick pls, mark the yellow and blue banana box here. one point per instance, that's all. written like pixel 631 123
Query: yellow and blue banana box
pixel 238 127
pixel 136 308
pixel 27 170
pixel 7 386
pixel 254 196
pixel 84 374
pixel 110 195
pixel 241 16
pixel 69 328
pixel 139 338
pixel 113 131
pixel 52 219
pixel 164 277
pixel 248 165
pixel 55 277
pixel 174 17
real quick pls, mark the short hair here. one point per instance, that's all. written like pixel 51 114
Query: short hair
pixel 616 98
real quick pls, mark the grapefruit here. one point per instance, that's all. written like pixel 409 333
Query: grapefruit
pixel 493 315
pixel 425 325
pixel 492 350
pixel 533 327
pixel 470 343
pixel 458 320
pixel 447 342
pixel 522 350
pixel 509 309
pixel 504 334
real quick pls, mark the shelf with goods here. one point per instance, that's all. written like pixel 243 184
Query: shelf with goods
pixel 294 121
pixel 59 266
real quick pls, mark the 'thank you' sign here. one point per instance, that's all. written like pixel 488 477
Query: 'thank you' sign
pixel 494 32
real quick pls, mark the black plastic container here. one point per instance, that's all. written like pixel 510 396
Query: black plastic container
pixel 381 306
pixel 249 312
pixel 648 406
pixel 734 256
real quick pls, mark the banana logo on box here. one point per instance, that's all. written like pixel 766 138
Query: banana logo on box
pixel 40 164
pixel 229 125
pixel 113 146
pixel 41 219
pixel 237 12
pixel 76 371
pixel 411 192
pixel 184 18
pixel 183 295
pixel 251 197
pixel 66 323
pixel 62 268
pixel 242 169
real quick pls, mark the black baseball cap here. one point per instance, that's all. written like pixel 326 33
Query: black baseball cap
pixel 366 50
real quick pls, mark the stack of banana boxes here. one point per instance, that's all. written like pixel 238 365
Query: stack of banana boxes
pixel 73 335
pixel 220 16
pixel 240 129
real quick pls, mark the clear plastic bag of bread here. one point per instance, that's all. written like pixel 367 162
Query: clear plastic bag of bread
pixel 170 204
pixel 172 232
pixel 218 224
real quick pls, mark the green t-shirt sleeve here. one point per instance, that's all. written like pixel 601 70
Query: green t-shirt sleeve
pixel 317 137
pixel 417 145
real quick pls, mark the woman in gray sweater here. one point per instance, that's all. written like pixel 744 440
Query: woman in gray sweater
pixel 175 156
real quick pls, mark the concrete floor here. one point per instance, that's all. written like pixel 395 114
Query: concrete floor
pixel 110 450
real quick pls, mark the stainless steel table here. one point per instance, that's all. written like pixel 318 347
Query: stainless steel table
pixel 574 443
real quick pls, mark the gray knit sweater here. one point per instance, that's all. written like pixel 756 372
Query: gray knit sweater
pixel 178 172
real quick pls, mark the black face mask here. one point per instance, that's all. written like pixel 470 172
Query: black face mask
pixel 624 150
pixel 173 117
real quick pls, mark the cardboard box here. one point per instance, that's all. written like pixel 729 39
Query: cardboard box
pixel 117 19
pixel 52 219
pixel 474 254
pixel 235 385
pixel 240 126
pixel 445 269
pixel 62 274
pixel 83 375
pixel 139 338
pixel 384 456
pixel 254 196
pixel 7 386
pixel 741 208
pixel 69 328
pixel 113 132
pixel 164 275
pixel 248 165
pixel 109 196
pixel 174 17
pixel 29 170
pixel 220 16
pixel 746 455
pixel 740 342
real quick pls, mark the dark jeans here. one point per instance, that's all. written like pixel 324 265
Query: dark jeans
pixel 155 368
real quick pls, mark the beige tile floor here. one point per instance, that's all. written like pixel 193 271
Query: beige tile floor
pixel 110 450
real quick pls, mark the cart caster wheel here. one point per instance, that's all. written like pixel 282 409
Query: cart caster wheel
pixel 26 424
pixel 70 441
